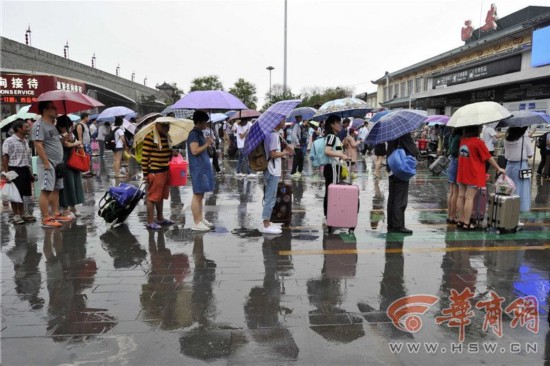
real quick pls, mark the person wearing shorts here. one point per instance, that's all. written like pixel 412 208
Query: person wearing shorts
pixel 472 157
pixel 49 149
pixel 452 171
pixel 16 157
pixel 202 176
pixel 156 155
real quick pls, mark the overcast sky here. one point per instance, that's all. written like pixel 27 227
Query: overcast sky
pixel 330 42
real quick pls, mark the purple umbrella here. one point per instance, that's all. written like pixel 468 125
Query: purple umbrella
pixel 267 122
pixel 209 100
pixel 437 119
pixel 357 122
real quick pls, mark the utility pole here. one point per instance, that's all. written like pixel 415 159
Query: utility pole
pixel 285 53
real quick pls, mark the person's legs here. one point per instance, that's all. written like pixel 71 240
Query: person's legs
pixel 546 171
pixel 215 162
pixel 468 204
pixel 196 207
pixel 295 159
pixel 54 201
pixel 378 165
pixel 542 162
pixel 44 204
pixel 390 205
pixel 399 203
pixel 240 162
pixel 117 162
pixel 300 156
pixel 101 148
pixel 327 173
pixel 460 203
pixel 452 201
pixel 150 212
pixel 270 196
pixel 17 208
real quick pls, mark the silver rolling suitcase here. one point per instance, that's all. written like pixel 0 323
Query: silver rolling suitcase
pixel 503 212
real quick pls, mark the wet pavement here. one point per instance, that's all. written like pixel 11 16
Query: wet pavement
pixel 86 294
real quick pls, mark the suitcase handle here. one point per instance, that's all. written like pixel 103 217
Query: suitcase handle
pixel 336 177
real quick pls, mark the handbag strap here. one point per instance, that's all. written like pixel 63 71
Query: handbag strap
pixel 521 156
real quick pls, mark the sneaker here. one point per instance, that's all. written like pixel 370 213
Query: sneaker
pixel 17 220
pixel 270 229
pixel 200 227
pixel 208 223
pixel 50 222
pixel 60 217
pixel 76 213
pixel 252 175
pixel 28 218
pixel 520 224
pixel 238 175
pixel 69 214
pixel 296 175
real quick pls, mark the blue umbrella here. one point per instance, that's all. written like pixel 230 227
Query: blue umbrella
pixel 395 125
pixel 345 107
pixel 267 122
pixel 209 100
pixel 524 119
pixel 379 115
pixel 114 112
pixel 305 112
pixel 218 117
pixel 73 117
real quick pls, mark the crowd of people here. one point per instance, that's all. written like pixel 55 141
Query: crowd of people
pixel 54 138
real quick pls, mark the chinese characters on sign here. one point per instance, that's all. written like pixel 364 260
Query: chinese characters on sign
pixel 490 24
pixel 24 89
pixel 524 311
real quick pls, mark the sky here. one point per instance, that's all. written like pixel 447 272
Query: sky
pixel 330 42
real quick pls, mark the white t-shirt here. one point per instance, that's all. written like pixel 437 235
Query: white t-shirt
pixel 489 136
pixel 241 130
pixel 118 134
pixel 103 131
pixel 271 143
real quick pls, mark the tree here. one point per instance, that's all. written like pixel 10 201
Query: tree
pixel 210 82
pixel 246 92
pixel 278 94
pixel 319 96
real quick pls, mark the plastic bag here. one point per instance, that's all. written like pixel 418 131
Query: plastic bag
pixel 505 185
pixel 10 175
pixel 178 159
pixel 11 193
pixel 344 172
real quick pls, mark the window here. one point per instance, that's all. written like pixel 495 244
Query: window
pixel 417 85
pixel 403 90
pixel 410 87
pixel 386 93
pixel 425 84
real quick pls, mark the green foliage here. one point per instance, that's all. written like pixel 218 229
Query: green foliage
pixel 210 82
pixel 317 96
pixel 246 92
pixel 278 94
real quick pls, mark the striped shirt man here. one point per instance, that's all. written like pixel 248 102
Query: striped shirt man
pixel 155 159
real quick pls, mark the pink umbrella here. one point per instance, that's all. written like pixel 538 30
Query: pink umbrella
pixel 247 113
pixel 66 101
pixel 437 119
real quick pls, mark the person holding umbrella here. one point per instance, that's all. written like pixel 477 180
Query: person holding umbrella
pixel 202 176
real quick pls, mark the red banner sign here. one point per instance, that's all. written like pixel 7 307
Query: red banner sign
pixel 24 89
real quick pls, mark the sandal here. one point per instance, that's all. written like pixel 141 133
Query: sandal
pixel 469 227
pixel 459 225
pixel 153 226
pixel 451 221
pixel 166 222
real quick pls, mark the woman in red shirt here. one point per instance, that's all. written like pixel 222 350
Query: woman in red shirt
pixel 471 176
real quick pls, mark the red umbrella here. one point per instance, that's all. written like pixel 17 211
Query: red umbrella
pixel 246 113
pixel 66 101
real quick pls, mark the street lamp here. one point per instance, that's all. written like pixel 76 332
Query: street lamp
pixel 28 41
pixel 270 68
pixel 93 61
pixel 66 50
pixel 117 69
pixel 284 78
pixel 133 76
pixel 145 81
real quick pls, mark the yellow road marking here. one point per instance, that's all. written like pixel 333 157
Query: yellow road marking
pixel 415 250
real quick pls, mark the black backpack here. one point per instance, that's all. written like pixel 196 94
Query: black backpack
pixel 541 141
pixel 110 141
pixel 220 130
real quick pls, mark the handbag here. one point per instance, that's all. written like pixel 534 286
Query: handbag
pixel 524 173
pixel 79 160
pixel 403 166
pixel 210 150
pixel 60 170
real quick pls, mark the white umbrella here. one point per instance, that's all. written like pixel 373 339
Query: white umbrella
pixel 479 113
pixel 23 114
pixel 179 130
pixel 128 126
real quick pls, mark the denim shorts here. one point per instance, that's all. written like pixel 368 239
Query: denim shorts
pixel 452 170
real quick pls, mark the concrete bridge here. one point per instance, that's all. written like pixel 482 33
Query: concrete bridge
pixel 111 90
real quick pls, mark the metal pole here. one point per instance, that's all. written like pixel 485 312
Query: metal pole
pixel 284 80
pixel 270 68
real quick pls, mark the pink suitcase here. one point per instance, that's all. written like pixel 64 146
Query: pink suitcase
pixel 343 205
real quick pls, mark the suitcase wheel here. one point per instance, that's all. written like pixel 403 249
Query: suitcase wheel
pixel 351 230
pixel 330 229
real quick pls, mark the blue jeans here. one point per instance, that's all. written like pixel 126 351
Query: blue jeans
pixel 270 194
pixel 242 163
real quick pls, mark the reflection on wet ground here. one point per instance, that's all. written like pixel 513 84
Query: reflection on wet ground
pixel 87 294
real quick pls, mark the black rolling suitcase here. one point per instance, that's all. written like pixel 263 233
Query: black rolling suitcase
pixel 118 203
pixel 439 165
pixel 282 211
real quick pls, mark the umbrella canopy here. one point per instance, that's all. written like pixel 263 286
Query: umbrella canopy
pixel 437 119
pixel 129 126
pixel 178 112
pixel 74 117
pixel 113 112
pixel 305 112
pixel 247 113
pixel 395 125
pixel 22 113
pixel 524 119
pixel 218 117
pixel 479 113
pixel 379 115
pixel 66 101
pixel 357 122
pixel 208 100
pixel 267 122
pixel 345 107
pixel 179 130
pixel 146 119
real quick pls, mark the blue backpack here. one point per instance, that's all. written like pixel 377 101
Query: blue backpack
pixel 403 166
pixel 317 152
